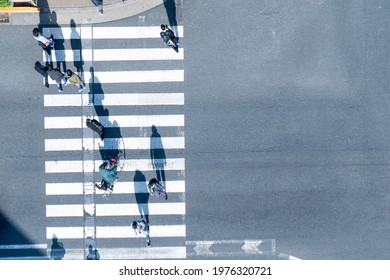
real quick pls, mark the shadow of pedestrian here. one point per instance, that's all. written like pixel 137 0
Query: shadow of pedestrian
pixel 157 155
pixel 170 7
pixel 112 132
pixel 76 45
pixel 141 195
pixel 59 48
pixel 57 251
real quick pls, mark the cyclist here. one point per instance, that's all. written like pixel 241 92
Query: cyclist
pixel 155 186
pixel 140 228
pixel 108 171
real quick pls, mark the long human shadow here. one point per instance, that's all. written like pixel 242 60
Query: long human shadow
pixel 57 251
pixel 141 195
pixel 157 155
pixel 112 131
pixel 59 40
pixel 77 49
pixel 170 7
pixel 44 19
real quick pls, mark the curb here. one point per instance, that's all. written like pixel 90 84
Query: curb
pixel 83 15
pixel 19 9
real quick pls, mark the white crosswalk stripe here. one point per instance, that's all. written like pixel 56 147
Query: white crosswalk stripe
pixel 120 188
pixel 131 143
pixel 116 231
pixel 115 99
pixel 114 55
pixel 77 166
pixel 151 76
pixel 78 154
pixel 116 121
pixel 106 33
pixel 119 209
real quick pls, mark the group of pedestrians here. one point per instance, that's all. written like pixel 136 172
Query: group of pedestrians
pixel 70 77
pixel 109 169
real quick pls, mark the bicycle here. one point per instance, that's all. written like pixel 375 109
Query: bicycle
pixel 108 171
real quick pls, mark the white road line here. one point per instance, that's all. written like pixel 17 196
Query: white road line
pixel 130 32
pixel 147 76
pixel 68 32
pixel 64 188
pixel 119 209
pixel 116 121
pixel 65 232
pixel 76 166
pixel 249 247
pixel 120 188
pixel 114 99
pixel 144 253
pixel 23 246
pixel 95 55
pixel 130 143
pixel 116 232
pixel 138 253
pixel 134 32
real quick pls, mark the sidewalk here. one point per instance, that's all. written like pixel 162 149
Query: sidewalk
pixel 81 11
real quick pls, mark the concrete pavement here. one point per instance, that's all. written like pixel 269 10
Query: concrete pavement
pixel 81 11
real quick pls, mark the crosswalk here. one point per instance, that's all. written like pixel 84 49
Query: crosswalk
pixel 136 91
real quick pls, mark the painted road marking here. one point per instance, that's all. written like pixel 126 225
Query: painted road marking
pixel 119 209
pixel 76 166
pixel 130 143
pixel 172 252
pixel 217 247
pixel 95 55
pixel 116 121
pixel 146 76
pixel 23 246
pixel 115 232
pixel 120 188
pixel 114 99
pixel 128 32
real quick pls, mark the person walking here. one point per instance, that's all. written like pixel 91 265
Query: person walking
pixel 96 126
pixel 169 38
pixel 99 4
pixel 155 186
pixel 109 172
pixel 141 228
pixel 75 79
pixel 46 43
pixel 57 76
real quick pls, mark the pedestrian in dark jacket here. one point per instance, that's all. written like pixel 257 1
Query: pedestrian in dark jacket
pixel 96 126
pixel 57 76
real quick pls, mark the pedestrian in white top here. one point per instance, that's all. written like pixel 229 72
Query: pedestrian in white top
pixel 46 43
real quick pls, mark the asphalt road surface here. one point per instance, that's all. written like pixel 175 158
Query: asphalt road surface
pixel 286 129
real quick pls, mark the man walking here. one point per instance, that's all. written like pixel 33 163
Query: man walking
pixel 75 79
pixel 57 76
pixel 46 43
pixel 96 126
